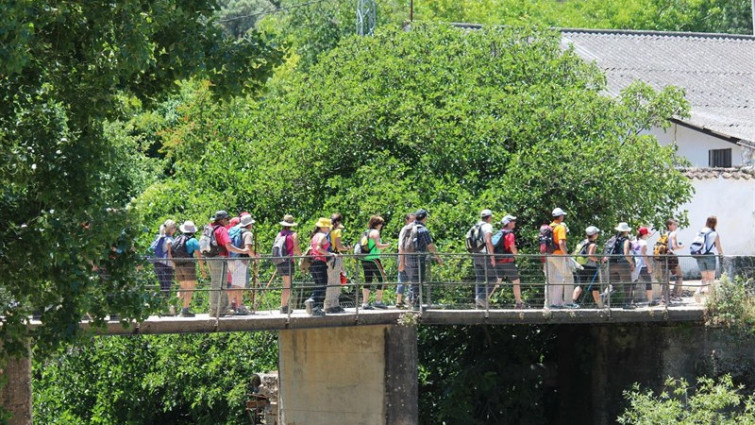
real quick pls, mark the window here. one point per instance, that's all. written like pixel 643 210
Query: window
pixel 719 158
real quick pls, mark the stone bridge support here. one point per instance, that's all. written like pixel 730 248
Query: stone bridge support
pixel 358 375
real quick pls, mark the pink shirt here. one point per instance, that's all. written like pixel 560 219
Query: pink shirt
pixel 324 246
pixel 221 235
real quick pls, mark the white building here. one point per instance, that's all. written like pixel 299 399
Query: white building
pixel 717 72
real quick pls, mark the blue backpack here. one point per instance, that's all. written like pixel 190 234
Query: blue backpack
pixel 237 239
pixel 158 247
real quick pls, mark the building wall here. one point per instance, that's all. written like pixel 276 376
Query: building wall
pixel 695 145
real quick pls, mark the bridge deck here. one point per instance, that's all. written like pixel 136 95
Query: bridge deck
pixel 272 320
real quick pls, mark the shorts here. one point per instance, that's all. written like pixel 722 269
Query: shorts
pixel 373 269
pixel 483 270
pixel 645 277
pixel 507 270
pixel 185 272
pixel 285 268
pixel 586 277
pixel 706 263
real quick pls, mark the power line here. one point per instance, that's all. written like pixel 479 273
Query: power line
pixel 270 12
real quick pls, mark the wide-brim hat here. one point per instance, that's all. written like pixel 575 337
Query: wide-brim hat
pixel 246 220
pixel 623 227
pixel 188 226
pixel 324 222
pixel 288 221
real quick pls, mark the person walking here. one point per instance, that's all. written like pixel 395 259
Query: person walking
pixel 417 243
pixel 184 248
pixel 484 261
pixel 621 264
pixel 670 263
pixel 372 266
pixel 403 279
pixel 163 264
pixel 505 265
pixel 643 267
pixel 706 259
pixel 560 278
pixel 335 266
pixel 219 265
pixel 320 253
pixel 287 243
pixel 240 266
pixel 588 277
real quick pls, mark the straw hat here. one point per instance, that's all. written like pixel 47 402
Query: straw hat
pixel 324 222
pixel 288 221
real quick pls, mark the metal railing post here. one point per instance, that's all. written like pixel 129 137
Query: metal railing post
pixel 547 285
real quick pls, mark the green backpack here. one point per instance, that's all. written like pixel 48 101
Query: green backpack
pixel 580 252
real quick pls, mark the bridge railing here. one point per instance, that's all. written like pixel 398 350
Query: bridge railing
pixel 443 281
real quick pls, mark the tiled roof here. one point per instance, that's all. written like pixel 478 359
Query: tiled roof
pixel 745 173
pixel 716 70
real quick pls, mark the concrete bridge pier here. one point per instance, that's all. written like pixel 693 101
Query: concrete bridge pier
pixel 359 375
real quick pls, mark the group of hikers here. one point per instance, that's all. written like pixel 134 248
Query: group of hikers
pixel 231 241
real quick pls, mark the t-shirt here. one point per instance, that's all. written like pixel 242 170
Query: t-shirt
pixel 192 244
pixel 222 237
pixel 559 233
pixel 423 237
pixel 670 243
pixel 710 239
pixel 639 262
pixel 509 240
pixel 402 233
pixel 487 229
pixel 335 234
pixel 248 238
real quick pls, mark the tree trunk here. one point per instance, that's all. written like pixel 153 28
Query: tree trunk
pixel 15 395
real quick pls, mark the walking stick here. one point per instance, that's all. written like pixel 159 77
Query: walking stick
pixel 275 272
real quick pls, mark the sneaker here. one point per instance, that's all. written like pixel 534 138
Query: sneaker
pixel 309 305
pixel 381 305
pixel 556 306
pixel 367 307
pixel 629 307
pixel 572 305
pixel 243 311
pixel 401 306
pixel 653 303
pixel 185 312
pixel 519 306
pixel 334 310
pixel 317 312
pixel 284 309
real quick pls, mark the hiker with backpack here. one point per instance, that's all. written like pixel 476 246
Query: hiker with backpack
pixel 643 268
pixel 285 246
pixel 184 251
pixel 479 244
pixel 664 254
pixel 584 255
pixel 242 238
pixel 217 247
pixel 558 264
pixel 403 278
pixel 371 264
pixel 504 250
pixel 416 245
pixel 702 249
pixel 161 249
pixel 335 266
pixel 621 264
pixel 319 252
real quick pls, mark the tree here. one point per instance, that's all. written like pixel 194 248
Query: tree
pixel 710 402
pixel 66 246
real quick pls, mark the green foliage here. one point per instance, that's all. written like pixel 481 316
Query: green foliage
pixel 710 402
pixel 731 304
pixel 436 117
pixel 177 379
pixel 68 170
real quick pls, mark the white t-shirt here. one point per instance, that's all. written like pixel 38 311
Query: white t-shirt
pixel 487 229
pixel 670 243
pixel 710 240
pixel 637 245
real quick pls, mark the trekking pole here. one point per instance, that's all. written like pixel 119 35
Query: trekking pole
pixel 275 272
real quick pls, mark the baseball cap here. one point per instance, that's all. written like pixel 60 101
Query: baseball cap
pixel 486 213
pixel 642 231
pixel 558 212
pixel 508 219
pixel 592 230
pixel 420 214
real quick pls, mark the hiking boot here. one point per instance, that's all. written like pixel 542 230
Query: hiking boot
pixel 629 307
pixel 380 305
pixel 367 307
pixel 317 312
pixel 284 309
pixel 185 312
pixel 653 303
pixel 334 310
pixel 309 305
pixel 243 311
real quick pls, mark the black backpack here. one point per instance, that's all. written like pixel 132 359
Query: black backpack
pixel 179 249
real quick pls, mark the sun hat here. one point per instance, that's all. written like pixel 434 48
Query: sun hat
pixel 558 212
pixel 420 214
pixel 592 230
pixel 642 231
pixel 188 227
pixel 508 219
pixel 288 221
pixel 623 227
pixel 324 222
pixel 246 220
pixel 220 214
pixel 486 213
